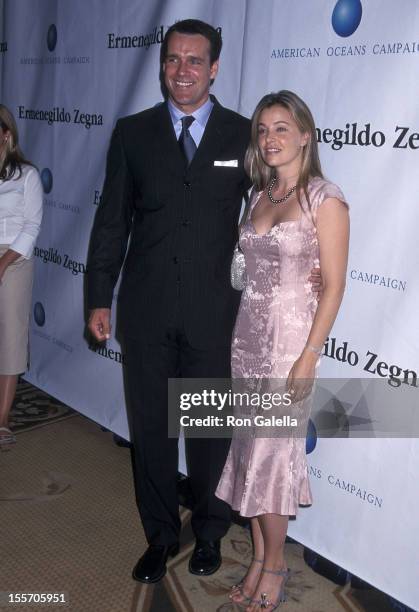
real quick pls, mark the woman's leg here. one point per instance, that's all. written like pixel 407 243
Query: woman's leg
pixel 8 384
pixel 243 592
pixel 274 531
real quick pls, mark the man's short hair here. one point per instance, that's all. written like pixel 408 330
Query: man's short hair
pixel 195 26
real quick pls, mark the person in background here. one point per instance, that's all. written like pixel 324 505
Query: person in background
pixel 20 221
pixel 296 220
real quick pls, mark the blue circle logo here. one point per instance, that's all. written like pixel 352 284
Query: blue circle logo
pixel 39 314
pixel 46 180
pixel 346 17
pixel 311 439
pixel 52 37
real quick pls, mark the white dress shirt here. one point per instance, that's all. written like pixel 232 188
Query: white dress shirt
pixel 21 211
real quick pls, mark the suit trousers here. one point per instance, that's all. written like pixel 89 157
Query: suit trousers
pixel 148 365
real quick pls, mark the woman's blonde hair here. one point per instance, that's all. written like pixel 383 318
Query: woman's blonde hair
pixel 260 173
pixel 11 156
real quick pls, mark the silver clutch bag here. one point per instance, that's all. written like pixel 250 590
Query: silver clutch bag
pixel 238 269
pixel 238 265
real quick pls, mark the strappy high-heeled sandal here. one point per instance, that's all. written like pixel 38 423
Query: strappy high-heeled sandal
pixel 240 585
pixel 266 603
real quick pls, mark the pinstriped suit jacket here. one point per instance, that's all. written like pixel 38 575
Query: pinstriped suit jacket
pixel 180 225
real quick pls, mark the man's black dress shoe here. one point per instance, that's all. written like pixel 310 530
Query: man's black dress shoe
pixel 206 558
pixel 151 567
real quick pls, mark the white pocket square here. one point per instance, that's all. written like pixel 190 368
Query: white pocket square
pixel 229 163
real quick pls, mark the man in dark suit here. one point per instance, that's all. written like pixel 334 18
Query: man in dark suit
pixel 174 184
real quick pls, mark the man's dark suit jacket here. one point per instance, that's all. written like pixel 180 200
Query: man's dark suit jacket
pixel 182 223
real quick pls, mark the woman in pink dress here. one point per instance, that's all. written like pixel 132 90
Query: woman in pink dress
pixel 296 220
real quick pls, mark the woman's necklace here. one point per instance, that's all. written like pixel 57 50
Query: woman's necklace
pixel 284 198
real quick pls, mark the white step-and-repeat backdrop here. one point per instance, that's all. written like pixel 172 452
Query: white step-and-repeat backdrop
pixel 70 69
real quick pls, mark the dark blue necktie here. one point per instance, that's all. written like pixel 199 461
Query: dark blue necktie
pixel 186 142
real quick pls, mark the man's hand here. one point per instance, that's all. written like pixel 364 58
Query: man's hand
pixel 315 279
pixel 100 323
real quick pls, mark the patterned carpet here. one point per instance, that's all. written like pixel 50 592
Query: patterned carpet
pixel 33 408
pixel 71 526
